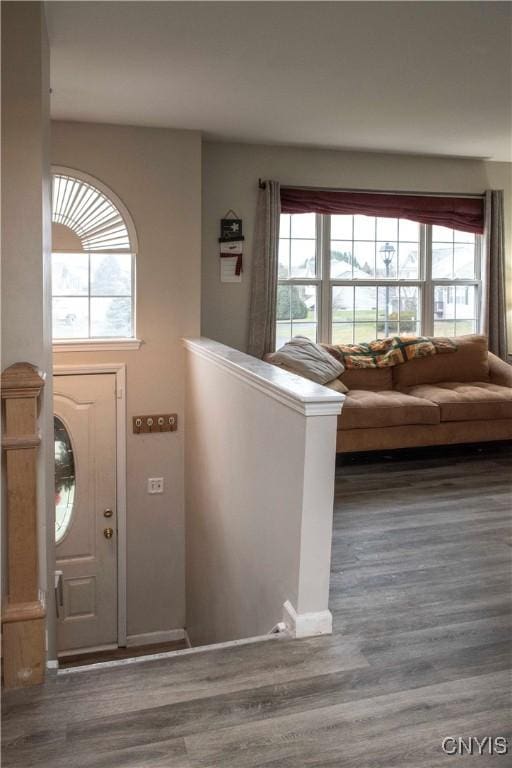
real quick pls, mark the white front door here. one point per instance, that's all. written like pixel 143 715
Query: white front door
pixel 85 508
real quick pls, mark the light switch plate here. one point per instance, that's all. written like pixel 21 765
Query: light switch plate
pixel 155 485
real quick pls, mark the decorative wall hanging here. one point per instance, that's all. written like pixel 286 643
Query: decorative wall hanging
pixel 230 227
pixel 231 248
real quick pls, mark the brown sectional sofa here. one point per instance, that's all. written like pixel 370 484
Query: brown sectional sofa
pixel 458 397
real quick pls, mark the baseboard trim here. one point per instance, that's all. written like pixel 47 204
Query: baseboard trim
pixel 151 638
pixel 306 624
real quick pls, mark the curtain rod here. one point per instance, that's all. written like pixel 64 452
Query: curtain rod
pixel 262 185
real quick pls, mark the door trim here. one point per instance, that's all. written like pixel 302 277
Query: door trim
pixel 119 370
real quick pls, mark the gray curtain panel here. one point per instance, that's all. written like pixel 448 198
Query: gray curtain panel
pixel 262 314
pixel 494 315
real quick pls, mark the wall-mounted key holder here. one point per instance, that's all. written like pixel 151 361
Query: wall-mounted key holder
pixel 161 422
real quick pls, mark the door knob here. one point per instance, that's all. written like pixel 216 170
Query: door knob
pixel 108 533
pixel 108 513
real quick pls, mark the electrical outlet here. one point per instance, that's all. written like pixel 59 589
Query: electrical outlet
pixel 155 485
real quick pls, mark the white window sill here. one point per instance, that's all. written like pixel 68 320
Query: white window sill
pixel 96 345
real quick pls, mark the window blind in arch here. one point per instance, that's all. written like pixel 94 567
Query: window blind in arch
pixel 90 214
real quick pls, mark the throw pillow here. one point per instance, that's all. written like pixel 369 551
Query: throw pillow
pixel 307 359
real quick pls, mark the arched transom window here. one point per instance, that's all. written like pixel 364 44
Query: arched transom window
pixel 93 257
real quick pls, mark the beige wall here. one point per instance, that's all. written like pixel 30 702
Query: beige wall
pixel 230 180
pixel 157 175
pixel 260 457
pixel 25 229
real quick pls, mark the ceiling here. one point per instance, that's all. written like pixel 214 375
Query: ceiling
pixel 420 77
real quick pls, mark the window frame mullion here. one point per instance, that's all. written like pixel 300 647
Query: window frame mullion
pixel 325 314
pixel 479 240
pixel 427 290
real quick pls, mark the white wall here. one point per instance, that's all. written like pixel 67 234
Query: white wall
pixel 230 180
pixel 157 175
pixel 25 230
pixel 260 456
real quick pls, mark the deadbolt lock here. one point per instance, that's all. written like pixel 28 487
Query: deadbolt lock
pixel 108 533
pixel 108 513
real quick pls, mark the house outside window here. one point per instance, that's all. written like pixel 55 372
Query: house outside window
pixel 346 279
pixel 93 261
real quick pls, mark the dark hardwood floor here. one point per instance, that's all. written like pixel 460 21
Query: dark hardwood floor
pixel 117 654
pixel 421 598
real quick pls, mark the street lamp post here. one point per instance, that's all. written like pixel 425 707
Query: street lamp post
pixel 387 251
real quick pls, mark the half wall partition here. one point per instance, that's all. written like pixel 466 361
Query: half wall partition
pixel 260 460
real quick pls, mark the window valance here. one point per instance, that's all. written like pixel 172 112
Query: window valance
pixel 462 213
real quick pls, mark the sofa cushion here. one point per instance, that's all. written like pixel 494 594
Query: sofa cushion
pixel 337 385
pixel 473 401
pixel 500 372
pixel 363 409
pixel 375 379
pixel 468 363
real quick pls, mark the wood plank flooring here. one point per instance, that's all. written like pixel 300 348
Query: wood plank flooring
pixel 421 599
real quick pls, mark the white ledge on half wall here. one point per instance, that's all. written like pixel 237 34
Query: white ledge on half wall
pixel 297 393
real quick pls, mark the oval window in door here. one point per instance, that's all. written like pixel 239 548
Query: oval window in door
pixel 65 479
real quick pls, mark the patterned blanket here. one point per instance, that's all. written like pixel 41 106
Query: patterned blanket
pixel 384 353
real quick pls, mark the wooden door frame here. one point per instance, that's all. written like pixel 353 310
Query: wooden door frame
pixel 119 370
